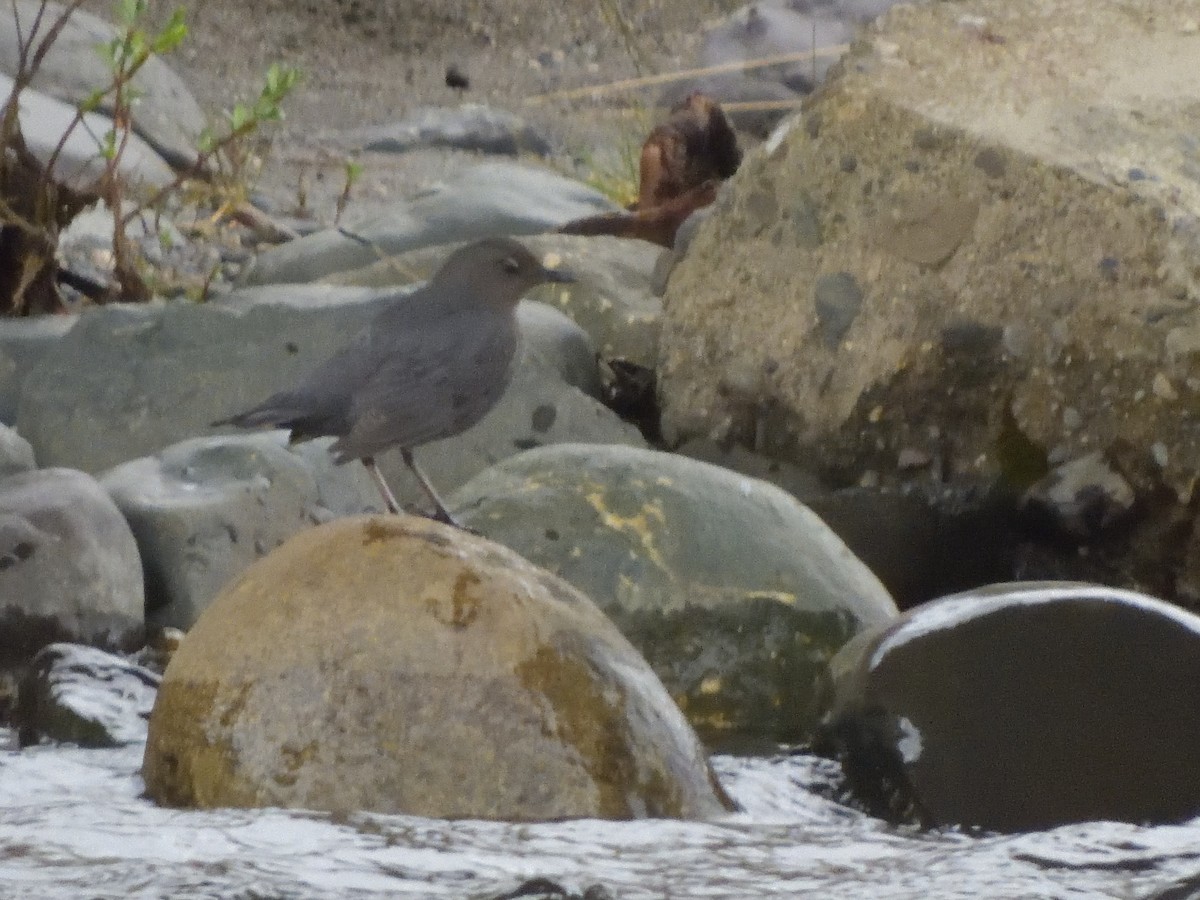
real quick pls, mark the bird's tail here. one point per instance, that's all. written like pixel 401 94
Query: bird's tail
pixel 260 417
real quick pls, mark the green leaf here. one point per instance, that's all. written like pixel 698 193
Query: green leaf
pixel 129 11
pixel 207 141
pixel 92 101
pixel 172 34
pixel 109 148
pixel 240 117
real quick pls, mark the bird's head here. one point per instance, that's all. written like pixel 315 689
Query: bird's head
pixel 500 269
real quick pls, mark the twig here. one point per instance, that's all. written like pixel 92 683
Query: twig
pixel 667 77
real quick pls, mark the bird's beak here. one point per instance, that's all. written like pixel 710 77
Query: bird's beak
pixel 558 276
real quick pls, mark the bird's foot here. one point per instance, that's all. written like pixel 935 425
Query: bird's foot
pixel 441 514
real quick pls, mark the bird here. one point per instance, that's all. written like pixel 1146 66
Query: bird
pixel 428 366
pixel 457 79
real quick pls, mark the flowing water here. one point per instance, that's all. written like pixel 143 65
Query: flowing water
pixel 73 825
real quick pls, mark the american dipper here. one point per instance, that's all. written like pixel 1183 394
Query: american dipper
pixel 428 366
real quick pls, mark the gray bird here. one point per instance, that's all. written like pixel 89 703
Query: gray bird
pixel 428 366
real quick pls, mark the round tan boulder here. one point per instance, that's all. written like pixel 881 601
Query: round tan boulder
pixel 393 664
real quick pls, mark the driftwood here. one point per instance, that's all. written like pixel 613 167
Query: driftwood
pixel 682 163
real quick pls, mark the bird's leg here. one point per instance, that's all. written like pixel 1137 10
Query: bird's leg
pixel 389 500
pixel 441 513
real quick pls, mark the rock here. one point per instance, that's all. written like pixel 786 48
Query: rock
pixel 69 567
pixel 472 127
pixel 129 380
pixel 735 592
pixel 758 31
pixel 22 343
pixel 45 120
pixel 132 380
pixel 166 115
pixel 612 299
pixel 1024 297
pixel 80 695
pixel 205 509
pixel 487 200
pixel 15 453
pixel 1020 707
pixel 1081 499
pixel 397 665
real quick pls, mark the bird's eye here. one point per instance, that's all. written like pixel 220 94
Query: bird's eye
pixel 511 265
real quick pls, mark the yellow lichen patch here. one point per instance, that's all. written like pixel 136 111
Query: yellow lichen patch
pixel 639 524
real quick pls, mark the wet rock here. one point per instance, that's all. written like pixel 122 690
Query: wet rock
pixel 485 201
pixel 22 343
pixel 394 664
pixel 472 127
pixel 992 335
pixel 1023 706
pixel 166 115
pixel 205 509
pixel 735 592
pixel 81 695
pixel 15 453
pixel 1081 499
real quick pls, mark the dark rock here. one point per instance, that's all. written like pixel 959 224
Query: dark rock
pixel 1023 706
pixel 837 298
pixel 81 695
pixel 1081 499
pixel 473 127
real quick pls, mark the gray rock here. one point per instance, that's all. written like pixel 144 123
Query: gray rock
pixel 45 120
pixel 81 695
pixel 205 509
pixel 69 567
pixel 471 127
pixel 1020 707
pixel 22 343
pixel 166 115
pixel 130 380
pixel 735 592
pixel 488 200
pixel 15 453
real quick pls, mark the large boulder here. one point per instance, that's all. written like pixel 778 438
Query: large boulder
pixel 394 664
pixel 1023 706
pixel 951 259
pixel 735 592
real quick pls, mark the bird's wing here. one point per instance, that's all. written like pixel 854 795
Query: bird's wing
pixel 431 384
